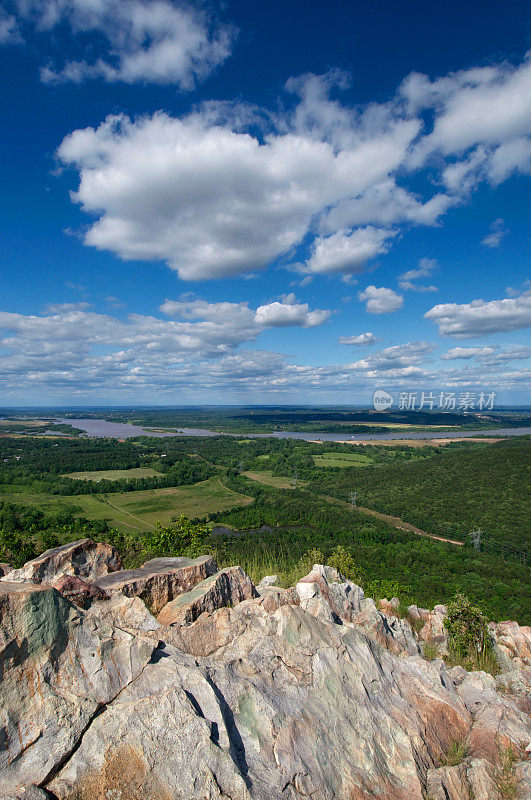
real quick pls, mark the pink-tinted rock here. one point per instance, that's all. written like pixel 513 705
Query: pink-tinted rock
pixel 225 588
pixel 473 778
pixel 79 591
pixel 160 580
pixel 389 607
pixel 514 641
pixel 85 558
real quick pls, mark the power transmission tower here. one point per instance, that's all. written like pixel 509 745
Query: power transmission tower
pixel 476 538
pixel 294 479
pixel 352 497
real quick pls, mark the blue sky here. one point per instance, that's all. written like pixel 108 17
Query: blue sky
pixel 263 203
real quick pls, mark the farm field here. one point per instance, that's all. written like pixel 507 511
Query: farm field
pixel 266 477
pixel 133 512
pixel 335 459
pixel 114 474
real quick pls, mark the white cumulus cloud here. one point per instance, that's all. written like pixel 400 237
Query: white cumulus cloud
pixel 317 189
pixel 348 252
pixel 380 300
pixel 481 317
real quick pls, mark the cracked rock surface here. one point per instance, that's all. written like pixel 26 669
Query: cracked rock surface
pixel 310 692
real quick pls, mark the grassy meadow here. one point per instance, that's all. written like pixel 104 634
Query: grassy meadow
pixel 113 474
pixel 131 512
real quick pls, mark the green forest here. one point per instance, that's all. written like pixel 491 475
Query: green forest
pixel 448 490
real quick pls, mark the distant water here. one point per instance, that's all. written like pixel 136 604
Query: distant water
pixel 122 430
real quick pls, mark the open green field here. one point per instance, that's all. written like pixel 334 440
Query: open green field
pixel 266 477
pixel 334 459
pixel 114 474
pixel 131 512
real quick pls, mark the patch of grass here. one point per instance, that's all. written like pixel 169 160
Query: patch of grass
pixel 268 479
pixel 344 460
pixel 430 651
pixel 114 474
pixel 505 776
pixel 455 754
pixel 484 661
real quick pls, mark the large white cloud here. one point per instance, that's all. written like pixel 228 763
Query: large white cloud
pixel 481 317
pixel 281 315
pixel 211 197
pixel 153 41
pixel 488 105
pixel 214 202
pixel 380 300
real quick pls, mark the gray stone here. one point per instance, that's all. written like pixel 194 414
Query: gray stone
pixel 267 580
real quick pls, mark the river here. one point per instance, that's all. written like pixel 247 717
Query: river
pixel 121 430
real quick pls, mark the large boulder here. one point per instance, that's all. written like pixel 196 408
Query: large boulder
pixel 58 670
pixel 85 559
pixel 226 588
pixel 160 580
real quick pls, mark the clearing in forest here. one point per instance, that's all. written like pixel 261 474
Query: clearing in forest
pixel 114 474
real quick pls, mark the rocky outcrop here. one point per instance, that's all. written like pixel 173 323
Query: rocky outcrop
pixel 226 588
pixel 288 706
pixel 85 559
pixel 325 590
pixel 160 580
pixel 59 670
pixel 229 695
pixel 328 596
pixel 513 642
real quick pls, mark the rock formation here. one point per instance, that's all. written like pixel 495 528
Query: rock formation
pixel 84 558
pixel 234 694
